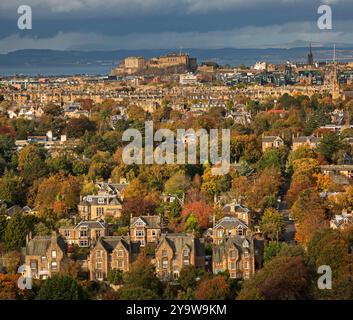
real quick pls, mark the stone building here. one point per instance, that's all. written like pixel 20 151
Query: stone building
pixel 145 229
pixel 269 142
pixel 228 227
pixel 176 251
pixel 235 254
pixel 111 253
pixel 85 233
pixel 44 255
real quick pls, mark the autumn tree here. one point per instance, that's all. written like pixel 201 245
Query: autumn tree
pixel 58 195
pixel 201 211
pixel 215 288
pixel 283 278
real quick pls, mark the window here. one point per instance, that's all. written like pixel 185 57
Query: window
pixel 99 254
pixel 220 233
pixel 232 254
pixel 99 211
pixel 120 253
pixel 44 259
pixel 186 259
pixel 164 253
pixel 140 233
pixel 165 263
pixel 89 199
pixel 98 233
pixel 83 243
pixel 67 233
pixel 246 254
pixel 154 233
pixel 240 231
pixel 83 233
pixel 120 264
pixel 232 266
pixel 54 265
pixel 53 254
pixel 100 275
pixel 100 200
pixel 246 265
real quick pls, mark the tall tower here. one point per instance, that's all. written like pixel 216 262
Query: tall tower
pixel 335 82
pixel 310 57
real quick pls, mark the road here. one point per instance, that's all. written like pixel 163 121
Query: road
pixel 289 232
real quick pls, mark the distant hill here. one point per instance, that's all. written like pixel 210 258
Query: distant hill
pixel 17 61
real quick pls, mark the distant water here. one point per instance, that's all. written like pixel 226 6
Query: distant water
pixel 55 71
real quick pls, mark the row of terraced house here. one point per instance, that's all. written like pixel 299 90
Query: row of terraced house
pixel 234 247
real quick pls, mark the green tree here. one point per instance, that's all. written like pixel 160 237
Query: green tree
pixel 61 287
pixel 18 227
pixel 31 163
pixel 272 223
pixel 329 144
pixel 115 276
pixel 188 277
pixel 11 189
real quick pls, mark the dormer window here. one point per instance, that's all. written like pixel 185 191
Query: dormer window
pixel 186 258
pixel 89 199
pixel 100 200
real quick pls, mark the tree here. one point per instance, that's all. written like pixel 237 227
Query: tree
pixel 58 195
pixel 11 261
pixel 272 224
pixel 76 127
pixel 283 278
pixel 201 211
pixel 61 287
pixel 177 184
pixel 141 282
pixel 215 184
pixel 272 249
pixel 274 158
pixel 115 276
pixel 329 144
pixel 18 227
pixel 216 288
pixel 11 189
pixel 9 289
pixel 188 277
pixel 71 268
pixel 331 247
pixel 31 163
pixel 3 224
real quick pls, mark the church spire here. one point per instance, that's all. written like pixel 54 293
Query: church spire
pixel 310 56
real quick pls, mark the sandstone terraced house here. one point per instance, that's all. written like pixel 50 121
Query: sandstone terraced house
pixel 85 234
pixel 146 229
pixel 111 253
pixel 227 228
pixel 44 255
pixel 237 255
pixel 178 250
pixel 101 206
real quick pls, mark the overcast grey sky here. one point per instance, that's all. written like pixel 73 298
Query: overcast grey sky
pixel 164 24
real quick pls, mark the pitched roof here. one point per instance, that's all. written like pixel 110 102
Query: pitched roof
pixel 153 222
pixel 110 243
pixel 230 223
pixel 237 242
pixel 178 241
pixel 39 245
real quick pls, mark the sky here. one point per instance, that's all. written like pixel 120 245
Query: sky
pixel 171 24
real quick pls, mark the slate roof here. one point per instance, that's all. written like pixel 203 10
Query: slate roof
pixel 152 222
pixel 271 138
pixel 39 245
pixel 91 225
pixel 110 243
pixel 230 223
pixel 178 241
pixel 218 251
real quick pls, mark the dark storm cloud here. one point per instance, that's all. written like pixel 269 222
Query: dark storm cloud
pixel 217 22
